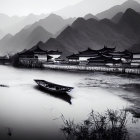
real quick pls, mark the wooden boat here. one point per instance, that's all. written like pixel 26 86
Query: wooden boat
pixel 52 87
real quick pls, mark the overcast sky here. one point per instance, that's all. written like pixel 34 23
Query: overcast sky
pixel 25 7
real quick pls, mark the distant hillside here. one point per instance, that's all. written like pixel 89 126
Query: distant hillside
pixel 88 16
pixel 87 6
pixel 31 34
pixel 14 24
pixel 25 39
pixel 1 34
pixel 131 19
pixel 81 35
pixel 117 17
pixel 135 48
pixel 5 39
pixel 110 13
pixel 95 34
pixel 53 23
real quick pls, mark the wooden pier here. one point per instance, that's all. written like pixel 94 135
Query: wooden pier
pixel 92 68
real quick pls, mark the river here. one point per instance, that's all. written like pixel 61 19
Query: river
pixel 33 114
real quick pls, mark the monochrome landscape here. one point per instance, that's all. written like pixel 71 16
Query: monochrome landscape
pixel 58 66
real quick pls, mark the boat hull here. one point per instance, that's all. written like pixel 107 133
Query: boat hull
pixel 68 89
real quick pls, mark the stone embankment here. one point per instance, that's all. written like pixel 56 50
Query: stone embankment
pixel 92 68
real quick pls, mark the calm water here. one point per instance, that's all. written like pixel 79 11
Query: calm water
pixel 33 114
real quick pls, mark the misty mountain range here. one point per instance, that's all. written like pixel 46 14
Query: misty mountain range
pixel 41 30
pixel 118 26
pixel 90 6
pixel 14 24
pixel 110 13
pixel 97 33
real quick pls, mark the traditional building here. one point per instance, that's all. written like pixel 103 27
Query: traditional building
pixel 40 54
pixel 125 56
pixel 87 54
pixel 135 60
pixel 98 60
pixel 4 59
pixel 106 50
pixel 104 60
pixel 73 59
pixel 59 60
pixel 104 56
pixel 35 54
pixel 54 55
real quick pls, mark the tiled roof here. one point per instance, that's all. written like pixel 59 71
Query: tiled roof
pixel 106 49
pixel 54 52
pixel 38 50
pixel 73 56
pixel 88 52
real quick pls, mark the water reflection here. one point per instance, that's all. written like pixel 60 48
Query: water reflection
pixel 63 96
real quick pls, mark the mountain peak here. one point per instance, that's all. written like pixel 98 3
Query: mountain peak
pixel 130 15
pixel 54 16
pixel 117 17
pixel 67 30
pixel 40 43
pixel 130 2
pixel 78 22
pixel 89 16
pixel 40 29
pixel 131 18
pixel 110 13
pixel 8 36
pixel 130 11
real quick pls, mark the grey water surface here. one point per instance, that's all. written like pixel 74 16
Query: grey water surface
pixel 30 113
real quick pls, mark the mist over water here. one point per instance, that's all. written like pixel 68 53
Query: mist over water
pixel 33 114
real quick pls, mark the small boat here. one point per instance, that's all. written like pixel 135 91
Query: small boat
pixel 52 87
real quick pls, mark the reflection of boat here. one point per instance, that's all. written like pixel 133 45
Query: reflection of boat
pixel 53 88
pixel 63 96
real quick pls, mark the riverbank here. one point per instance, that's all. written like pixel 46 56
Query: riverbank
pixel 93 68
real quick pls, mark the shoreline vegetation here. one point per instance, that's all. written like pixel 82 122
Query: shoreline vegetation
pixel 110 126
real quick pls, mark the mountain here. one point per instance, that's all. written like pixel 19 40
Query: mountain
pixel 27 20
pixel 38 31
pixel 97 33
pixel 135 48
pixel 87 6
pixel 88 16
pixel 132 19
pixel 14 24
pixel 2 34
pixel 53 23
pixel 7 22
pixel 25 39
pixel 53 44
pixel 117 17
pixel 81 35
pixel 110 13
pixel 38 34
pixel 5 39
